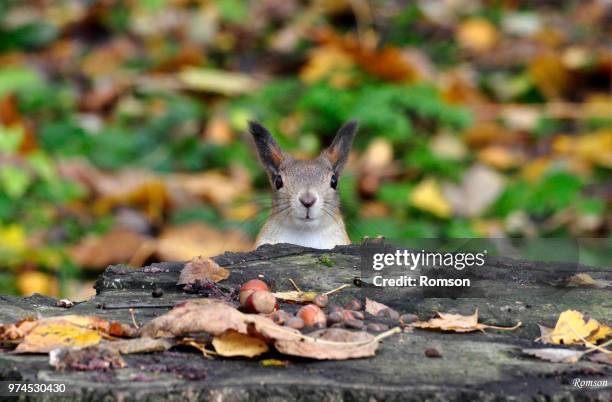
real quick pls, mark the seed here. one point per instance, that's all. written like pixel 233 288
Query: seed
pixel 432 352
pixel 358 315
pixel 375 327
pixel 321 300
pixel 295 323
pixel 312 315
pixel 353 304
pixel 353 323
pixel 280 317
pixel 408 319
pixel 261 301
pixel 335 317
pixel 249 287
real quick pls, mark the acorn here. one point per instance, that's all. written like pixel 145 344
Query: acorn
pixel 280 317
pixel 312 315
pixel 261 301
pixel 335 317
pixel 353 323
pixel 375 327
pixel 321 300
pixel 352 315
pixel 408 318
pixel 249 287
pixel 353 304
pixel 295 323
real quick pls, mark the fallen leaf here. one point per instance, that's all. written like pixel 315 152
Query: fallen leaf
pixel 182 243
pixel 200 268
pixel 234 343
pixel 555 355
pixel 601 357
pixel 572 328
pixel 296 296
pixel 204 315
pixel 57 333
pixel 378 156
pixel 330 344
pixel 30 282
pixel 458 323
pixel 428 196
pixel 374 307
pixel 40 336
pixel 274 362
pixel 115 247
pixel 544 334
pixel 587 280
pixel 217 81
pixel 217 318
pixel 478 189
pixel 549 75
pixel 477 34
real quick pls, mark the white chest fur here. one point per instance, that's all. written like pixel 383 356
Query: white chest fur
pixel 321 238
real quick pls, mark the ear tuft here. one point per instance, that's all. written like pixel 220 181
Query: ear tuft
pixel 269 152
pixel 338 151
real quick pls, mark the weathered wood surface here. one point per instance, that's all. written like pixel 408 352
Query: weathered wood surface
pixel 475 366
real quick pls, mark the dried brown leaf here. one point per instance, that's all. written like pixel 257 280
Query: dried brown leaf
pixel 458 323
pixel 200 268
pixel 555 355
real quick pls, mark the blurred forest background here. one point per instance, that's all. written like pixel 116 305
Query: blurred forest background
pixel 122 123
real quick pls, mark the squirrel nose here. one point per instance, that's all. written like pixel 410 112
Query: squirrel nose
pixel 308 200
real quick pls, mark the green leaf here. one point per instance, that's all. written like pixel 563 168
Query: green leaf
pixel 14 79
pixel 14 181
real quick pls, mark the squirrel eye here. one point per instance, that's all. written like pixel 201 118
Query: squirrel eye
pixel 278 182
pixel 334 182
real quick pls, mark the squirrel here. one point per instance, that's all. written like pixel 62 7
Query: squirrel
pixel 305 200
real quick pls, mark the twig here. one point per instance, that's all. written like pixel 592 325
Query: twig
pixel 337 289
pixel 134 318
pixel 505 328
pixel 104 306
pixel 294 285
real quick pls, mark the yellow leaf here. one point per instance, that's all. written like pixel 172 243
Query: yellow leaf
pixel 549 75
pixel 326 62
pixel 428 197
pixel 274 362
pixel 296 296
pixel 458 323
pixel 477 34
pixel 234 343
pixel 217 81
pixel 29 282
pixel 57 333
pixel 181 243
pixel 571 327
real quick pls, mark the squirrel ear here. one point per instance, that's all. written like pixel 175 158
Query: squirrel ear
pixel 338 151
pixel 269 152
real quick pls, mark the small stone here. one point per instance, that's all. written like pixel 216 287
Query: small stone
pixel 353 323
pixel 157 292
pixel 432 352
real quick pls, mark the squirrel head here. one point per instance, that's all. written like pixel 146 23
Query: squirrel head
pixel 305 192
